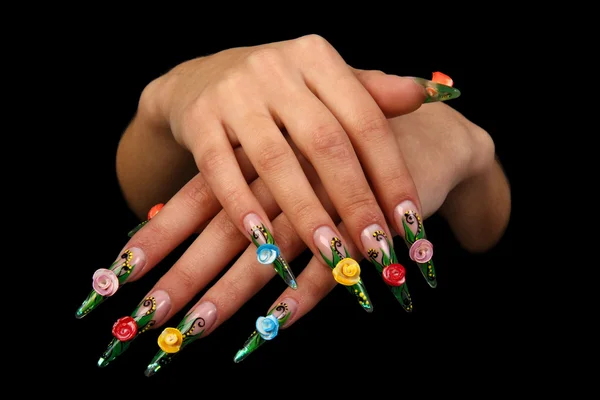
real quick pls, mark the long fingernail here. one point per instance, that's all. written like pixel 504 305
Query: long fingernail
pixel 105 282
pixel 267 327
pixel 153 211
pixel 439 88
pixel 346 271
pixel 380 251
pixel 151 311
pixel 267 251
pixel 410 227
pixel 172 340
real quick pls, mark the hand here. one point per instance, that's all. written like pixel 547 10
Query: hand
pixel 460 159
pixel 246 96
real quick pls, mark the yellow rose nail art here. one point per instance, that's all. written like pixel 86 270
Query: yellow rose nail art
pixel 170 340
pixel 347 272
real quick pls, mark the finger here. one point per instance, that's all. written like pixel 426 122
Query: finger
pixel 314 284
pixel 325 143
pixel 244 279
pixel 180 217
pixel 278 166
pixel 393 94
pixel 389 91
pixel 217 163
pixel 204 259
pixel 381 158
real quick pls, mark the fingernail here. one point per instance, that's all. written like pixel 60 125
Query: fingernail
pixel 439 88
pixel 106 282
pixel 410 226
pixel 151 311
pixel 346 271
pixel 172 340
pixel 153 211
pixel 267 251
pixel 380 251
pixel 267 327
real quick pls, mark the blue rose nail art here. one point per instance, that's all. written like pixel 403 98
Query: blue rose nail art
pixel 267 327
pixel 267 253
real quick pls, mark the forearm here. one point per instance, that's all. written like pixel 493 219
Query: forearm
pixel 151 165
pixel 478 209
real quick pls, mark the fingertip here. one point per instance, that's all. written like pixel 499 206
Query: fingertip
pixel 394 94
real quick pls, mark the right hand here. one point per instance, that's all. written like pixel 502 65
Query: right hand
pixel 460 160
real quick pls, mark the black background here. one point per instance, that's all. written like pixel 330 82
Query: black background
pixel 460 329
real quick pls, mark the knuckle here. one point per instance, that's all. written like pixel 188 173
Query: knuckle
pixel 483 149
pixel 234 196
pixel 211 161
pixel 265 59
pixel 231 80
pixel 226 230
pixel 198 195
pixel 315 285
pixel 186 277
pixel 231 288
pixel 372 125
pixel 153 233
pixel 187 124
pixel 272 156
pixel 327 140
pixel 287 239
pixel 150 99
pixel 313 42
pixel 362 207
pixel 303 210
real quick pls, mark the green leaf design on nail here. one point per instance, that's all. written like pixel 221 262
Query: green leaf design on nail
pixel 409 236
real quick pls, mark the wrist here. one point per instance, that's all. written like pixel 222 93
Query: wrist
pixel 478 209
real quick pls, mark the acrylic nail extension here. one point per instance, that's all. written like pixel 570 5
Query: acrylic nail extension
pixel 267 251
pixel 152 213
pixel 105 282
pixel 380 251
pixel 345 270
pixel 439 88
pixel 151 311
pixel 410 227
pixel 191 328
pixel 267 327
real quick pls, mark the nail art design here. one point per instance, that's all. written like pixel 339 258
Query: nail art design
pixel 153 211
pixel 412 230
pixel 267 251
pixel 172 340
pixel 439 88
pixel 380 251
pixel 151 311
pixel 267 328
pixel 105 282
pixel 334 252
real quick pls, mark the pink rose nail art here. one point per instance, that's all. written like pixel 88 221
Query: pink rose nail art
pixel 105 282
pixel 421 251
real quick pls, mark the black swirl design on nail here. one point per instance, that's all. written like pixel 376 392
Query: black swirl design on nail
pixel 336 244
pixel 379 235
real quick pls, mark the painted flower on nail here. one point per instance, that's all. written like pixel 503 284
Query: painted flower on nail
pixel 394 275
pixel 347 272
pixel 124 329
pixel 442 78
pixel 267 327
pixel 170 340
pixel 154 210
pixel 421 251
pixel 267 253
pixel 105 282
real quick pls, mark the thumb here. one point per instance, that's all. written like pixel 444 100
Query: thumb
pixel 394 94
